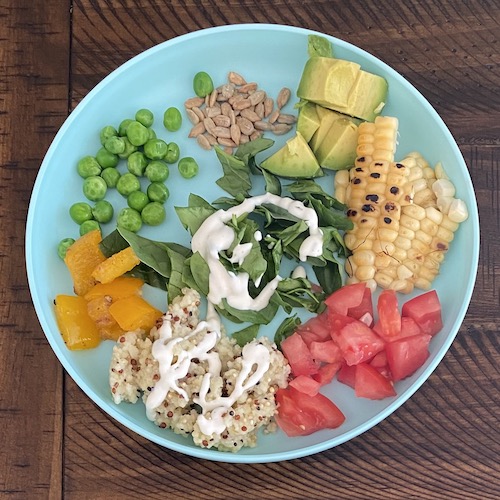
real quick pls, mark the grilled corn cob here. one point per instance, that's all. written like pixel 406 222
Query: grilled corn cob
pixel 402 213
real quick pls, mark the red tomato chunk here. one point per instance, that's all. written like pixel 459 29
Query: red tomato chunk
pixel 406 355
pixel 369 383
pixel 299 357
pixel 351 300
pixel 425 310
pixel 388 314
pixel 305 384
pixel 300 414
pixel 328 352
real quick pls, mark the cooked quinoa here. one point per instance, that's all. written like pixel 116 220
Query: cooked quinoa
pixel 134 371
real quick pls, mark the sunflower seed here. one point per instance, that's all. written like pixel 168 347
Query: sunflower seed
pixel 283 97
pixel 285 118
pixel 199 113
pixel 244 139
pixel 281 128
pixel 259 110
pixel 203 142
pixel 257 97
pixel 246 126
pixel 194 102
pixel 193 117
pixel 262 125
pixel 255 135
pixel 209 125
pixel 249 114
pixel 223 141
pixel 221 132
pixel 268 106
pixel 274 116
pixel 242 104
pixel 236 78
pixel 213 111
pixel 235 133
pixel 213 98
pixel 227 90
pixel 198 129
pixel 225 108
pixel 248 87
pixel 211 139
pixel 222 121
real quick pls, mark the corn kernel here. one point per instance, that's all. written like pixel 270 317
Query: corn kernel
pixel 445 234
pixel 406 233
pixel 423 236
pixel 350 240
pixel 339 194
pixel 399 255
pixel 398 285
pixel 415 174
pixel 404 272
pixel 415 211
pixel 364 273
pixel 409 222
pixel 434 215
pixel 364 244
pixel 429 173
pixel 423 284
pixel 401 242
pixel 382 260
pixel 447 223
pixel 429 227
pixel 380 166
pixel 342 177
pixel 365 149
pixel 420 247
pixel 350 266
pixel 412 265
pixel 364 258
pixel 386 234
pixel 386 247
pixel 383 280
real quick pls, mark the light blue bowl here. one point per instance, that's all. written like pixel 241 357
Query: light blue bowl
pixel 161 77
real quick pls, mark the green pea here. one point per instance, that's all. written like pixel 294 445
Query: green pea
pixel 151 134
pixel 137 200
pixel 130 219
pixel 115 145
pixel 106 159
pixel 153 214
pixel 94 188
pixel 89 225
pixel 63 246
pixel 88 166
pixel 172 119
pixel 173 153
pixel 188 167
pixel 157 191
pixel 80 212
pixel 107 132
pixel 129 149
pixel 145 116
pixel 157 171
pixel 110 176
pixel 202 84
pixel 155 149
pixel 137 163
pixel 137 133
pixel 102 211
pixel 128 183
pixel 122 128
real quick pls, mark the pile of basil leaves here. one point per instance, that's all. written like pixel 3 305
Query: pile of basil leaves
pixel 171 267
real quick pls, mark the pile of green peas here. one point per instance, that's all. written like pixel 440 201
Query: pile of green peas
pixel 146 156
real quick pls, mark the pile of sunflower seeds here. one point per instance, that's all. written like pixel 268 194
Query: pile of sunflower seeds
pixel 237 112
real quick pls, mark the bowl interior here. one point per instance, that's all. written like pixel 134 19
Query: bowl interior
pixel 273 56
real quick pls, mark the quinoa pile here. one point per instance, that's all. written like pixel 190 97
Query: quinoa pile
pixel 134 372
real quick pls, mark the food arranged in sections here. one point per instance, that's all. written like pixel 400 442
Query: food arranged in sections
pixel 390 221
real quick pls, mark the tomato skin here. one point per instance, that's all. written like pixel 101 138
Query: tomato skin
pixel 406 355
pixel 305 384
pixel 347 298
pixel 301 415
pixel 298 355
pixel 358 342
pixel 388 313
pixel 425 310
pixel 369 383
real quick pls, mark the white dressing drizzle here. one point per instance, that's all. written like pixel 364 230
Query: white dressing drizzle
pixel 213 237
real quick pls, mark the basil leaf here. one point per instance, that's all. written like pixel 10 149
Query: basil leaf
pixel 262 317
pixel 305 188
pixel 329 277
pixel 319 46
pixel 113 243
pixel 285 329
pixel 197 211
pixel 248 151
pixel 273 184
pixel 199 272
pixel 246 335
pixel 236 178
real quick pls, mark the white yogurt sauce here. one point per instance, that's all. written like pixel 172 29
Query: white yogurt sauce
pixel 212 237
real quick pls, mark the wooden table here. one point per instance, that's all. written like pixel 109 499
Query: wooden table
pixel 443 443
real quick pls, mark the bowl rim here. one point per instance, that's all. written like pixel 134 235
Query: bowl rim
pixel 189 449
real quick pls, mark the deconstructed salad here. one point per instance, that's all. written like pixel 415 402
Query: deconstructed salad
pixel 387 224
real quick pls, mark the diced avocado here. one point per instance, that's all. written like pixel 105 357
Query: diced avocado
pixel 338 148
pixel 328 81
pixel 327 117
pixel 343 86
pixel 308 121
pixel 294 160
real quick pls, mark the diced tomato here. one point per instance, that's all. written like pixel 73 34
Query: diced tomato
pixel 379 362
pixel 298 355
pixel 348 297
pixel 425 310
pixel 365 308
pixel 305 384
pixel 347 375
pixel 301 415
pixel 358 342
pixel 369 383
pixel 327 372
pixel 409 327
pixel 406 355
pixel 388 314
pixel 315 329
pixel 337 322
pixel 328 352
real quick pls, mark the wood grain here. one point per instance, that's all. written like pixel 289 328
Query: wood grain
pixel 444 443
